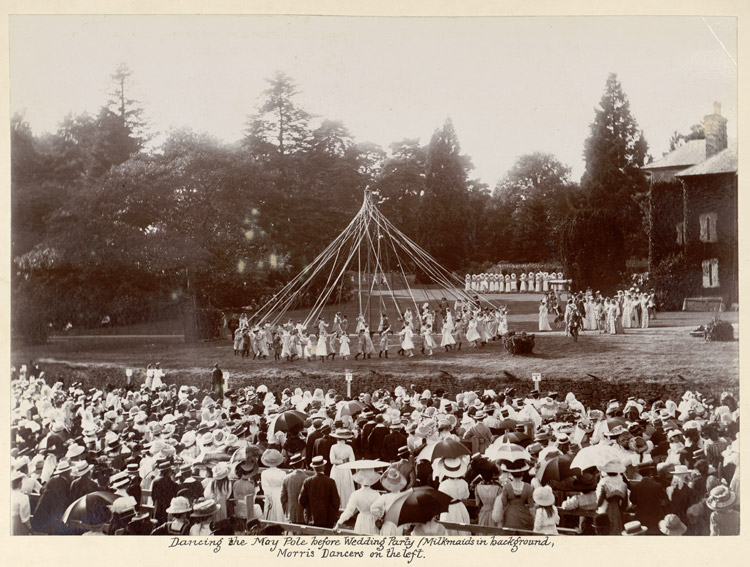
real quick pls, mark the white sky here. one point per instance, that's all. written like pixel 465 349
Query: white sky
pixel 511 85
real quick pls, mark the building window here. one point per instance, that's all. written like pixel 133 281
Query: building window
pixel 711 273
pixel 680 233
pixel 708 227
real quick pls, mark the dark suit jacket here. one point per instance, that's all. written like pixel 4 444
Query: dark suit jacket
pixel 649 499
pixel 81 487
pixel 375 440
pixel 323 449
pixel 162 491
pixel 364 444
pixel 311 439
pixel 290 489
pixel 53 501
pixel 391 444
pixel 319 498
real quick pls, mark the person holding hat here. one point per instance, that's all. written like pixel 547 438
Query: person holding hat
pixel 725 518
pixel 395 483
pixel 612 494
pixel 339 454
pixel 203 510
pixel 291 487
pixel 319 497
pixel 512 509
pixel 547 517
pixel 360 503
pixel 271 480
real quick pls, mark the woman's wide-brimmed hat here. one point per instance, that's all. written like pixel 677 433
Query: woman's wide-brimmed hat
pixel 515 466
pixel 544 496
pixel 720 498
pixel 272 458
pixel 392 480
pixel 366 477
pixel 342 433
pixel 634 528
pixel 672 525
pixel 680 469
pixel 452 467
pixel 179 505
pixel 220 471
pixel 123 505
pixel 204 508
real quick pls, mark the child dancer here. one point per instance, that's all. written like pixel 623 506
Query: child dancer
pixel 344 348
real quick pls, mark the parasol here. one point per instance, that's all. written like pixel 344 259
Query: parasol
pixel 594 456
pixel 89 510
pixel 350 407
pixel 364 464
pixel 556 468
pixel 418 506
pixel 287 421
pixel 447 448
pixel 503 451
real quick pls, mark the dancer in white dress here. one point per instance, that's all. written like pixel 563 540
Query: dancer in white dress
pixel 342 453
pixel 344 348
pixel 321 349
pixel 472 335
pixel 544 316
pixel 428 342
pixel 524 288
pixel 360 503
pixel 448 341
pixel 407 345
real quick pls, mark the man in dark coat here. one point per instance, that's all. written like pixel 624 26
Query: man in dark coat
pixel 82 483
pixel 392 442
pixel 364 447
pixel 319 497
pixel 53 501
pixel 312 437
pixel 323 447
pixel 217 381
pixel 376 437
pixel 163 490
pixel 649 498
pixel 290 490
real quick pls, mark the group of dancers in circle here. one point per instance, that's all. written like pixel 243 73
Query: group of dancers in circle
pixel 590 311
pixel 538 282
pixel 446 327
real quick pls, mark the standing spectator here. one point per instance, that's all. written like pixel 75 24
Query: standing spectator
pixel 725 519
pixel 82 484
pixel 319 497
pixel 19 505
pixel 217 381
pixel 163 490
pixel 290 490
pixel 53 502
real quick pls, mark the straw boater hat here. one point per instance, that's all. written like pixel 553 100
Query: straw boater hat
pixel 680 469
pixel 272 458
pixel 80 468
pixel 318 463
pixel 543 496
pixel 296 459
pixel 720 498
pixel 366 477
pixel 179 505
pixel 119 480
pixel 342 433
pixel 634 528
pixel 672 525
pixel 393 481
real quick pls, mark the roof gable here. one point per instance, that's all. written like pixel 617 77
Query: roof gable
pixel 723 162
pixel 689 154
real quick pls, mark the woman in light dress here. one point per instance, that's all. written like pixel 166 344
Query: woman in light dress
pixel 544 316
pixel 513 283
pixel 486 490
pixel 407 345
pixel 344 348
pixel 524 287
pixel 342 453
pixel 271 481
pixel 450 472
pixel 321 349
pixel 472 335
pixel 428 343
pixel 448 341
pixel 394 482
pixel 360 502
pixel 627 312
pixel 547 516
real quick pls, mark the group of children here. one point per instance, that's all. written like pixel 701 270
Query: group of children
pixel 470 325
pixel 511 283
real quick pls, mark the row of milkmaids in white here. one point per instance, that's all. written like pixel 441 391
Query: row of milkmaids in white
pixel 538 282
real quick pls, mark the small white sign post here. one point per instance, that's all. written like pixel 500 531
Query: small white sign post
pixel 128 375
pixel 536 377
pixel 348 376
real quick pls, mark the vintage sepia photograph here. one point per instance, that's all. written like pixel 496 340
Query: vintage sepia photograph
pixel 353 278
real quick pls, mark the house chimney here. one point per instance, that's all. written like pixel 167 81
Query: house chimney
pixel 715 127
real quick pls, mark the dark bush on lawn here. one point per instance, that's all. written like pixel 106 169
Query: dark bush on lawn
pixel 718 330
pixel 518 343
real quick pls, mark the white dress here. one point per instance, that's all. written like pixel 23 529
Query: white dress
pixel 457 513
pixel 471 332
pixel 361 501
pixel 322 347
pixel 342 453
pixel 380 507
pixel 544 318
pixel 344 348
pixel 271 481
pixel 448 334
pixel 406 335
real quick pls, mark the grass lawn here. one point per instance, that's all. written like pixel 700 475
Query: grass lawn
pixel 664 354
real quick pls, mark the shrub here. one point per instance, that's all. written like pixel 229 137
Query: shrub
pixel 718 330
pixel 518 343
